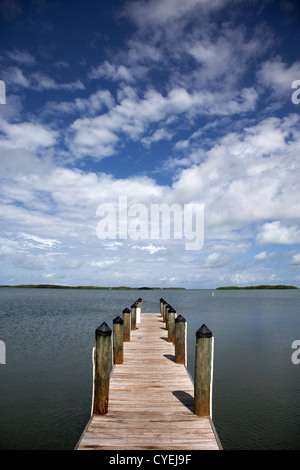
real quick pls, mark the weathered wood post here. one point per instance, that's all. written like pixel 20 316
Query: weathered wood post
pixel 165 312
pixel 203 372
pixel 118 340
pixel 140 303
pixel 171 325
pixel 180 340
pixel 102 368
pixel 133 316
pixel 164 307
pixel 126 325
pixel 161 305
pixel 168 306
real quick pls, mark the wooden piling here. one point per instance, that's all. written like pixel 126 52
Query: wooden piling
pixel 164 308
pixel 168 307
pixel 140 303
pixel 126 325
pixel 180 340
pixel 203 372
pixel 118 340
pixel 171 325
pixel 161 300
pixel 133 316
pixel 102 368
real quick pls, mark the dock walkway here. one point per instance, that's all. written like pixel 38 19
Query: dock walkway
pixel 150 400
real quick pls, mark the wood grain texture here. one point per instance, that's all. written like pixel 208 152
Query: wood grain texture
pixel 151 399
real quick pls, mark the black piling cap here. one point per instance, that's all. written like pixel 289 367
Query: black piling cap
pixel 171 310
pixel 139 300
pixel 161 299
pixel 180 318
pixel 126 310
pixel 203 332
pixel 134 305
pixel 118 320
pixel 103 330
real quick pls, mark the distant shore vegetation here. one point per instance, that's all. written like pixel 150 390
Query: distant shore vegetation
pixel 263 286
pixel 56 286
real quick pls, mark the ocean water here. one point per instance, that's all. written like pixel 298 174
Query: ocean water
pixel 46 383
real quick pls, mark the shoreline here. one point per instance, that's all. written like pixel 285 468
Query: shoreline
pixel 57 286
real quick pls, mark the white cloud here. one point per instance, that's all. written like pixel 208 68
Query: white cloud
pixel 5 250
pixel 152 249
pixel 295 260
pixel 48 275
pixel 35 241
pixel 41 81
pixel 88 139
pixel 276 232
pixel 279 75
pixel 113 72
pixel 15 77
pixel 104 263
pixel 215 260
pixel 21 57
pixel 162 11
pixel 26 135
pixel 244 177
pixel 133 116
pixel 263 255
pixel 159 134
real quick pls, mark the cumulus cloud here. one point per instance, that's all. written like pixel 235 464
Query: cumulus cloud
pixel 279 75
pixel 26 135
pixel 295 260
pixel 276 232
pixel 38 81
pixel 151 249
pixel 21 57
pixel 160 12
pixel 264 255
pixel 113 72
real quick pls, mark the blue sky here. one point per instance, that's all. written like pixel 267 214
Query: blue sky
pixel 161 101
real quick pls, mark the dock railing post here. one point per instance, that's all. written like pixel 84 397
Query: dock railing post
pixel 168 306
pixel 171 325
pixel 102 368
pixel 126 325
pixel 118 340
pixel 180 340
pixel 161 306
pixel 203 372
pixel 133 316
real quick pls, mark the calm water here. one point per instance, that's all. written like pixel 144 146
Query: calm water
pixel 46 383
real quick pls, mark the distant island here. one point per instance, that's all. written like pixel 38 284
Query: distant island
pixel 56 286
pixel 280 286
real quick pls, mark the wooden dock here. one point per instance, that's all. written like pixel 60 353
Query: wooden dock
pixel 151 400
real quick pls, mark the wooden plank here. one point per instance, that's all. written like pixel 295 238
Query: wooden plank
pixel 151 399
